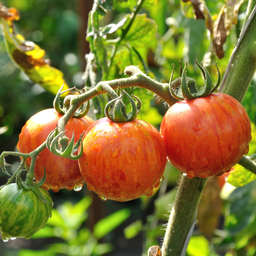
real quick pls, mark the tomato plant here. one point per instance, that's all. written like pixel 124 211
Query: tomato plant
pixel 122 161
pixel 22 213
pixel 206 136
pixel 60 172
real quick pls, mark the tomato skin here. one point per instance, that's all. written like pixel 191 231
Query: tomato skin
pixel 60 172
pixel 206 136
pixel 122 161
pixel 22 213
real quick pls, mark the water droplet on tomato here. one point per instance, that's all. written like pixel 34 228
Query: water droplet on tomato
pixel 138 125
pixel 115 152
pixel 103 198
pixel 47 187
pixel 162 178
pixel 94 168
pixel 66 175
pixel 128 158
pixel 5 238
pixel 149 192
pixel 78 187
pixel 193 157
pixel 203 161
pixel 123 195
pixel 246 150
pixel 55 188
pixel 69 188
pixel 12 238
pixel 128 133
pixel 156 184
pixel 204 174
pixel 138 150
pixel 190 174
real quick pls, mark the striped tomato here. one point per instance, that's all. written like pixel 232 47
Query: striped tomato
pixel 206 136
pixel 22 213
pixel 60 172
pixel 122 161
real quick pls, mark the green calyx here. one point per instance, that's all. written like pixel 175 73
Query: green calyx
pixel 115 109
pixel 60 145
pixel 81 111
pixel 188 85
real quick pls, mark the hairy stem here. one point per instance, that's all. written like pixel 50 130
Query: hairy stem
pixel 242 63
pixel 182 215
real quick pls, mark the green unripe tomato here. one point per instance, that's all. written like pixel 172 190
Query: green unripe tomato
pixel 22 213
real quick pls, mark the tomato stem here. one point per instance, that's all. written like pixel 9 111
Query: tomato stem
pixel 182 215
pixel 247 163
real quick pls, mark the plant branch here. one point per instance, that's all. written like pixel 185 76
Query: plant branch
pixel 242 63
pixel 247 163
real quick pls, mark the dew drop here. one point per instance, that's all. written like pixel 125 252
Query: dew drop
pixel 55 188
pixel 47 187
pixel 203 161
pixel 138 149
pixel 162 178
pixel 204 174
pixel 66 175
pixel 115 152
pixel 128 133
pixel 78 187
pixel 5 237
pixel 190 174
pixel 12 238
pixel 149 192
pixel 138 125
pixel 128 158
pixel 246 150
pixel 123 195
pixel 69 188
pixel 94 168
pixel 156 184
pixel 103 198
pixel 193 157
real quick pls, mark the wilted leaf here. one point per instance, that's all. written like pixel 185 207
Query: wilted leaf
pixel 200 10
pixel 28 56
pixel 222 25
pixel 239 176
pixel 209 209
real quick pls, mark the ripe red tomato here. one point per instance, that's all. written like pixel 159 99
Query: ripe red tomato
pixel 206 136
pixel 122 161
pixel 60 172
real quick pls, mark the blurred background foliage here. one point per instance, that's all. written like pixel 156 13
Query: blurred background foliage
pixel 81 223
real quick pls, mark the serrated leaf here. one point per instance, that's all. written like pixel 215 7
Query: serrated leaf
pixel 132 3
pixel 142 33
pixel 29 58
pixel 239 176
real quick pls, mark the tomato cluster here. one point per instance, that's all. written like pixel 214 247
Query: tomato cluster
pixel 202 137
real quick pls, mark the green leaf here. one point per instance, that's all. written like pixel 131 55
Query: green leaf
pixel 106 225
pixel 198 246
pixel 142 33
pixel 240 209
pixel 29 58
pixel 133 229
pixel 44 233
pixel 26 252
pixel 239 176
pixel 132 3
